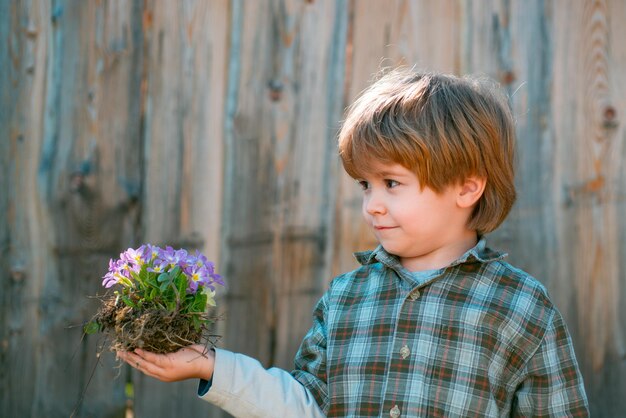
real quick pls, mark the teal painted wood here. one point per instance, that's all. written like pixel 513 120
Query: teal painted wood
pixel 68 212
pixel 90 136
pixel 11 268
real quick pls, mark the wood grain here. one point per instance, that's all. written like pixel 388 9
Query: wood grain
pixel 212 125
pixel 184 77
pixel 282 167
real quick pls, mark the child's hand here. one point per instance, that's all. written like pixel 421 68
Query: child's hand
pixel 195 361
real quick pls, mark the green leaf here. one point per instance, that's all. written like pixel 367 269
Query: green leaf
pixel 196 322
pixel 175 271
pixel 181 283
pixel 163 277
pixel 163 286
pixel 128 302
pixel 152 280
pixel 171 305
pixel 91 328
pixel 125 281
pixel 200 303
pixel 143 275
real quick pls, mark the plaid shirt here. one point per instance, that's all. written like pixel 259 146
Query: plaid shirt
pixel 478 338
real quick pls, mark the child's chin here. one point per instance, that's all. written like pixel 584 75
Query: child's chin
pixel 392 249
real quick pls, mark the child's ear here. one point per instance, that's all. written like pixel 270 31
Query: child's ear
pixel 470 191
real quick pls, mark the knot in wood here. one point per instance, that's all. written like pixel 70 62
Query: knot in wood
pixel 609 116
pixel 77 182
pixel 17 273
pixel 508 77
pixel 275 89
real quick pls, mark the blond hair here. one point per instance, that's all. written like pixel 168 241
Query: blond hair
pixel 443 128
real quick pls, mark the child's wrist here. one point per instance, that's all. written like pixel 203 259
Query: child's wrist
pixel 208 365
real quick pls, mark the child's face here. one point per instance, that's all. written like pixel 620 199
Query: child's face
pixel 424 228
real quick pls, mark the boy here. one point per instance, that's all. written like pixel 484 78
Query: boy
pixel 433 323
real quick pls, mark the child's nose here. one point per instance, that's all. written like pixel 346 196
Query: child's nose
pixel 374 204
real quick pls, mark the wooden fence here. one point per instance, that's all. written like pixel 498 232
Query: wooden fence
pixel 212 124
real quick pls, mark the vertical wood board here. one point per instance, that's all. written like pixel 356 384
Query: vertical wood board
pixel 185 76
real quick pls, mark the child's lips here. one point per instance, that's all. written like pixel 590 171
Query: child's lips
pixel 383 228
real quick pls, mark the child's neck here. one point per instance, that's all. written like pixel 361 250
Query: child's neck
pixel 442 256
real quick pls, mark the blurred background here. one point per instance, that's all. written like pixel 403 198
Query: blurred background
pixel 211 125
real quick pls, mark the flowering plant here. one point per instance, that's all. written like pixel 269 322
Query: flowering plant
pixel 161 299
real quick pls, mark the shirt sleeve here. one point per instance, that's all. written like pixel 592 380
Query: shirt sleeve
pixel 552 384
pixel 244 388
pixel 310 361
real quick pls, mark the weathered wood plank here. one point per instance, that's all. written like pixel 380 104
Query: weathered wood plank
pixel 312 67
pixel 66 224
pixel 590 173
pixel 10 93
pixel 91 190
pixel 282 159
pixel 246 256
pixel 185 76
pixel 20 275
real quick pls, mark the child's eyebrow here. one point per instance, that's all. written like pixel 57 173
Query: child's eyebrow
pixel 390 174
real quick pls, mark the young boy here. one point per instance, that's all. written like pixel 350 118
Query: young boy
pixel 433 323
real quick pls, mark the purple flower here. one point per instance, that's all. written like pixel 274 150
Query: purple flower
pixel 217 279
pixel 131 256
pixel 198 270
pixel 119 271
pixel 193 262
pixel 199 259
pixel 172 258
pixel 183 258
pixel 132 260
pixel 109 278
pixel 157 268
pixel 198 275
pixel 201 272
pixel 148 252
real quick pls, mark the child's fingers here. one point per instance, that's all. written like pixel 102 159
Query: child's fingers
pixel 136 361
pixel 132 359
pixel 125 356
pixel 156 359
pixel 144 365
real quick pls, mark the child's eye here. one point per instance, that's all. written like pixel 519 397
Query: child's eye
pixel 391 183
pixel 364 184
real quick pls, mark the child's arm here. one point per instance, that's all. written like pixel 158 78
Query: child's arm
pixel 244 388
pixel 552 384
pixel 241 385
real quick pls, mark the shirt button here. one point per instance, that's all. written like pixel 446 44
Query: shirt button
pixel 414 294
pixel 395 412
pixel 405 352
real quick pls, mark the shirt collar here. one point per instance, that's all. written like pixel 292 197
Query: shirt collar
pixel 479 253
